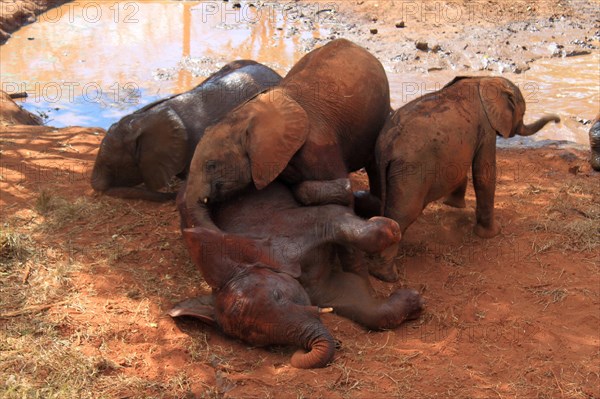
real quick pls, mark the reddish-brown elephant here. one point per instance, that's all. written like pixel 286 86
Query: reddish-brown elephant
pixel 318 124
pixel 275 265
pixel 427 147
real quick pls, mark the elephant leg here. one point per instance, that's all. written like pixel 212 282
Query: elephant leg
pixel 457 198
pixel 378 237
pixel 372 236
pixel 484 182
pixel 352 260
pixel 317 192
pixel 351 296
pixel 139 193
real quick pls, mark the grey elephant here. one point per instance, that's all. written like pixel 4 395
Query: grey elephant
pixel 157 142
pixel 595 143
pixel 274 266
pixel 427 147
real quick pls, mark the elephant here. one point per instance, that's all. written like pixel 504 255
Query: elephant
pixel 427 147
pixel 595 143
pixel 320 123
pixel 157 142
pixel 271 277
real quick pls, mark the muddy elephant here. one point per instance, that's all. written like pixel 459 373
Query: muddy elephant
pixel 271 277
pixel 595 143
pixel 157 142
pixel 427 147
pixel 318 124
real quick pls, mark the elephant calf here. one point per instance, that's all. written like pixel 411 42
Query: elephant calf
pixel 427 147
pixel 157 142
pixel 275 265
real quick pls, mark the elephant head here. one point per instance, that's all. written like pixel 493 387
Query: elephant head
pixel 252 144
pixel 148 146
pixel 504 107
pixel 259 303
pixel 595 143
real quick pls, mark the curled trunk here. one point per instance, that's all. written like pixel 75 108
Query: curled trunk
pixel 318 344
pixel 528 130
pixel 595 144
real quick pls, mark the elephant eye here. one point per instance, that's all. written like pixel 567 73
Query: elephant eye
pixel 277 295
pixel 211 166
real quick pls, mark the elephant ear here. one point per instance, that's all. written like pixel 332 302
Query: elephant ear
pixel 201 308
pixel 499 105
pixel 278 128
pixel 161 146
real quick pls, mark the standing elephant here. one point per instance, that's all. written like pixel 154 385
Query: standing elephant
pixel 321 122
pixel 272 276
pixel 427 147
pixel 595 143
pixel 157 142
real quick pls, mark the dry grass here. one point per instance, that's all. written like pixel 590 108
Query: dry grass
pixel 14 246
pixel 573 218
pixel 40 342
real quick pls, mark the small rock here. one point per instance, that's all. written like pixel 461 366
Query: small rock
pixel 574 170
pixel 423 46
pixel 373 31
pixel 436 48
pixel 374 19
pixel 31 38
pixel 400 24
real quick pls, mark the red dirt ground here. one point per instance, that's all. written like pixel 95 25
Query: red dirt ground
pixel 514 316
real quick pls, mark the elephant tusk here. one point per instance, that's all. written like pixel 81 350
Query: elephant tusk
pixel 205 200
pixel 325 310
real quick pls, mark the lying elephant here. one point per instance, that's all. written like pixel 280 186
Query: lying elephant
pixel 595 143
pixel 320 123
pixel 157 142
pixel 276 265
pixel 428 145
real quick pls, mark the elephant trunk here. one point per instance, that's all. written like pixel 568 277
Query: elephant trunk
pixel 595 144
pixel 528 130
pixel 319 346
pixel 192 212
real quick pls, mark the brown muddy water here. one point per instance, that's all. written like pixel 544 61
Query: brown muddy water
pixel 88 63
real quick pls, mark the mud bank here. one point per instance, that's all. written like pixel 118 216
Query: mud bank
pixel 16 13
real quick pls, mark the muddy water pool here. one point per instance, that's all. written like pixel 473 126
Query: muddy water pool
pixel 88 63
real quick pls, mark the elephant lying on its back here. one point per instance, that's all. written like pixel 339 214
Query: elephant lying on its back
pixel 157 142
pixel 275 265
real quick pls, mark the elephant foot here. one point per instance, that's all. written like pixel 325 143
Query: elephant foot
pixel 455 202
pixel 402 305
pixel 487 232
pixel 318 192
pixel 377 234
pixel 411 301
pixel 382 265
